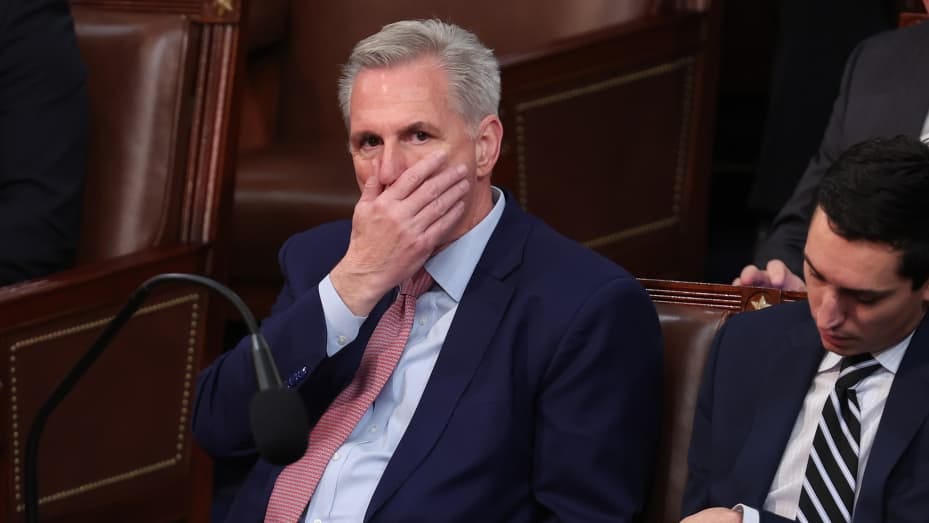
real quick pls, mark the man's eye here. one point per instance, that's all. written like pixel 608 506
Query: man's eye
pixel 420 136
pixel 867 299
pixel 369 141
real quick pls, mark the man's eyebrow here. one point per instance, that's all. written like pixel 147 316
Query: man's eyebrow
pixel 810 263
pixel 876 293
pixel 360 134
pixel 419 125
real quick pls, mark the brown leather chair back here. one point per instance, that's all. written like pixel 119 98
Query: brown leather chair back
pixel 140 91
pixel 161 82
pixel 690 315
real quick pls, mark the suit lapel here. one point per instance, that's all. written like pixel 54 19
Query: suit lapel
pixel 789 373
pixel 904 413
pixel 479 313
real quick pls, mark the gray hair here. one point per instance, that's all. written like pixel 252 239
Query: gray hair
pixel 473 71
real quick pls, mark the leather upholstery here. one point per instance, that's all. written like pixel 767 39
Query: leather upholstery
pixel 690 315
pixel 134 184
pixel 158 191
pixel 281 190
pixel 687 332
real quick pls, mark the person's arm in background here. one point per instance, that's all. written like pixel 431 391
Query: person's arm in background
pixel 779 260
pixel 43 138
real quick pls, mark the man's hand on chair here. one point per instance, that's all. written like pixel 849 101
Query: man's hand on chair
pixel 776 275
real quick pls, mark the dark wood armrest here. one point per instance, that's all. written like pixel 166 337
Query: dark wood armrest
pixel 717 296
pixel 93 285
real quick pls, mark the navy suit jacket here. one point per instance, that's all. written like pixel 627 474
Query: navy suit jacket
pixel 884 93
pixel 544 404
pixel 759 371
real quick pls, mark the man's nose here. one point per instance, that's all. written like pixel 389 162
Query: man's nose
pixel 393 161
pixel 831 311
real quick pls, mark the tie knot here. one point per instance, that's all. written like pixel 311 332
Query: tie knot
pixel 418 284
pixel 854 369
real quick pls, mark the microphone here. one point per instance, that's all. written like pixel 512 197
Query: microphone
pixel 278 419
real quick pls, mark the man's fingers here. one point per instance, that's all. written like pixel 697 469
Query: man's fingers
pixel 415 175
pixel 436 207
pixel 753 276
pixel 371 190
pixel 783 278
pixel 748 275
pixel 437 232
pixel 434 188
pixel 777 273
pixel 794 283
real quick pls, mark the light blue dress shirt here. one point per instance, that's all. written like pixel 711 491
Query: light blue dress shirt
pixel 355 469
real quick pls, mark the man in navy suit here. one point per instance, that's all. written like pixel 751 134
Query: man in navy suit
pixel 529 388
pixel 767 439
pixel 884 92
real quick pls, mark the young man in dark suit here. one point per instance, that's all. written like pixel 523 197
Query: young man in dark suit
pixel 529 386
pixel 884 92
pixel 817 411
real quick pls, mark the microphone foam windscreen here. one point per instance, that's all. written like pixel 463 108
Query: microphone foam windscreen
pixel 279 425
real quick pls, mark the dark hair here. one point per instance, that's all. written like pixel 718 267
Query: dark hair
pixel 878 191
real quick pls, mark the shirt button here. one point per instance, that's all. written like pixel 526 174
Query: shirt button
pixel 336 456
pixel 341 340
pixel 317 521
pixel 373 428
pixel 422 321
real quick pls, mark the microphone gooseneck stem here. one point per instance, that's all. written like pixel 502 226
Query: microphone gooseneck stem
pixel 269 378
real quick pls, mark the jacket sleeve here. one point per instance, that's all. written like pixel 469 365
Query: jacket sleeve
pixel 788 230
pixel 296 333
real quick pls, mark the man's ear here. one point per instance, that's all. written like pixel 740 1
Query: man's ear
pixel 487 144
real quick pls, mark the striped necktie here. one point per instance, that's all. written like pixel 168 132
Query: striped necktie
pixel 832 470
pixel 295 485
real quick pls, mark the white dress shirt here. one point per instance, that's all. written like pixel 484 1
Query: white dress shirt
pixel 347 485
pixel 924 136
pixel 784 496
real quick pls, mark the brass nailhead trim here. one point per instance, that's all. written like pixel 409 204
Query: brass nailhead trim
pixel 191 299
pixel 522 175
pixel 105 482
pixel 625 234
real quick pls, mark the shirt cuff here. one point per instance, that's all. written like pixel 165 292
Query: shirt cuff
pixel 341 325
pixel 749 514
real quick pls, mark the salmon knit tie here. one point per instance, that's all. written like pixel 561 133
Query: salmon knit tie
pixel 295 485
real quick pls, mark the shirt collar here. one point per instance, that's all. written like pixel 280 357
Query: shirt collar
pixel 889 359
pixel 452 267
